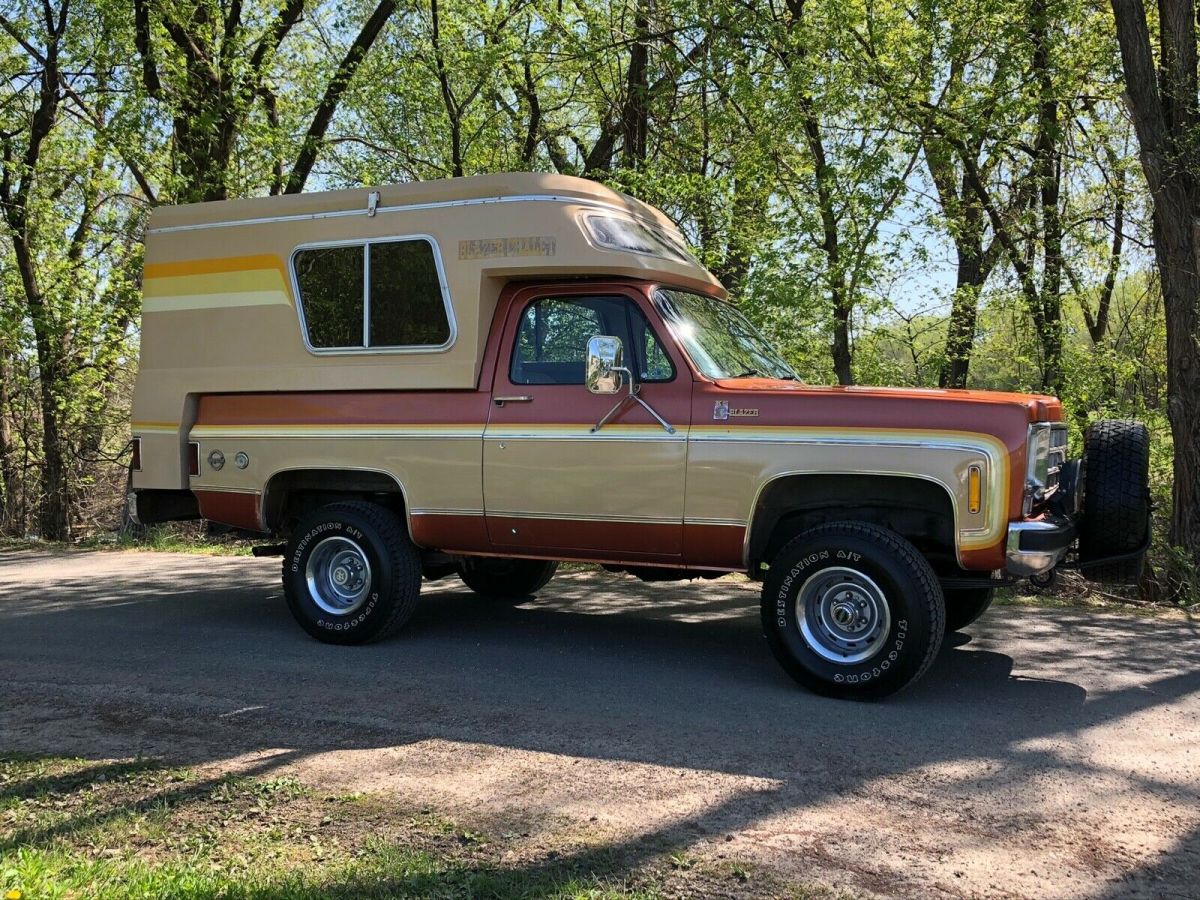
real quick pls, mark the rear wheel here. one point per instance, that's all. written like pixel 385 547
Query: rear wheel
pixel 965 605
pixel 350 574
pixel 507 579
pixel 1116 500
pixel 852 610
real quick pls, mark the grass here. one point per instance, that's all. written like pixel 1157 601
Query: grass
pixel 72 828
pixel 163 539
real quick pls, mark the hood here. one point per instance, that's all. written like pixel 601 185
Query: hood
pixel 917 401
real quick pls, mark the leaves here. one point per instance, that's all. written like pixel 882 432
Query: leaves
pixel 882 186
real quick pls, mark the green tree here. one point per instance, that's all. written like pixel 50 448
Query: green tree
pixel 1161 90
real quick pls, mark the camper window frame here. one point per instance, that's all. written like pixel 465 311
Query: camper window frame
pixel 365 348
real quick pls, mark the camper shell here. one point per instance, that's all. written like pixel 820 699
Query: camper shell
pixel 222 313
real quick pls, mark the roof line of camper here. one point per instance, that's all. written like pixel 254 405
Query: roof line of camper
pixel 411 207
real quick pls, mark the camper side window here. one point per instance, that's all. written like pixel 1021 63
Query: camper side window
pixel 377 296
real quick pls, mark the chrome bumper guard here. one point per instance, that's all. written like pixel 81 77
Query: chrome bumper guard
pixel 1037 545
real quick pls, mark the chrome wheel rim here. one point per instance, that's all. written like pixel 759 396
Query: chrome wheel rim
pixel 843 615
pixel 338 575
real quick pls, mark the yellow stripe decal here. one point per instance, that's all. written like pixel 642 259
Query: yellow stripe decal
pixel 154 427
pixel 215 301
pixel 454 432
pixel 215 284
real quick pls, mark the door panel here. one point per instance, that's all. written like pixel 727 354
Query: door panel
pixel 551 485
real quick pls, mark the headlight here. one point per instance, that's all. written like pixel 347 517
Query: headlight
pixel 1038 460
pixel 1045 455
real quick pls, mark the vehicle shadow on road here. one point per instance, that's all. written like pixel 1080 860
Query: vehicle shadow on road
pixel 674 681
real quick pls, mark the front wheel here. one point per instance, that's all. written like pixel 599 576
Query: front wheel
pixel 852 610
pixel 350 574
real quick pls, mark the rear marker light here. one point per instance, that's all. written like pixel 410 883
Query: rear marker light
pixel 974 489
pixel 135 459
pixel 193 458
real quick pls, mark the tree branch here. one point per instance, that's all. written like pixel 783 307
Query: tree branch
pixel 333 95
pixel 145 48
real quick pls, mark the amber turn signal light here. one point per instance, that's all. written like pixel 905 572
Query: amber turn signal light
pixel 974 489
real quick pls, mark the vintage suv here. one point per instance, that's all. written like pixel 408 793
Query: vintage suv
pixel 484 376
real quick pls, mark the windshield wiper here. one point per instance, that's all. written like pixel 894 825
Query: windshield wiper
pixel 754 373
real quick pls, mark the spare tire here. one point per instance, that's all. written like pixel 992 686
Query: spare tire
pixel 1116 500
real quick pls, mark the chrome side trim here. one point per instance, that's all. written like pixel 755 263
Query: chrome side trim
pixel 661 437
pixel 575 517
pixel 447 512
pixel 747 435
pixel 1024 563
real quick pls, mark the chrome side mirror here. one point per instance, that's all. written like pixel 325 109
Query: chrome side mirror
pixel 604 370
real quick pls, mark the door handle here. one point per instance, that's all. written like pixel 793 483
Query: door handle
pixel 523 398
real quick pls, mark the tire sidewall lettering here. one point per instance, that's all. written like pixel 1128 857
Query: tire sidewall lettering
pixel 891 661
pixel 304 546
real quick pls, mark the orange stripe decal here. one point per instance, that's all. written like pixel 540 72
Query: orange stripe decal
pixel 214 266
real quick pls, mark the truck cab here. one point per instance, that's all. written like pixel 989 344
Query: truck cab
pixel 483 377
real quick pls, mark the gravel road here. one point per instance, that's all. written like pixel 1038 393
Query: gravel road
pixel 1048 753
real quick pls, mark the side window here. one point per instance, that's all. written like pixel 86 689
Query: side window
pixel 551 345
pixel 381 295
pixel 330 280
pixel 654 362
pixel 406 296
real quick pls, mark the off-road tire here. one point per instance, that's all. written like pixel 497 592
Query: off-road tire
pixel 507 579
pixel 394 583
pixel 1116 499
pixel 965 605
pixel 910 591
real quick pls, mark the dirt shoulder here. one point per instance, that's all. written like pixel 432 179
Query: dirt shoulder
pixel 1050 752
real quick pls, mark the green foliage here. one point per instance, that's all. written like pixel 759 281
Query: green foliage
pixel 820 158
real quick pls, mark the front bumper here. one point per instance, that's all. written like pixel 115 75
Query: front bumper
pixel 1038 545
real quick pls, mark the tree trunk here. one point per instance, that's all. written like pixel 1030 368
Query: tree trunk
pixel 1178 262
pixel 55 516
pixel 635 113
pixel 453 109
pixel 1163 101
pixel 1097 325
pixel 974 266
pixel 831 244
pixel 964 312
pixel 1048 174
pixel 8 479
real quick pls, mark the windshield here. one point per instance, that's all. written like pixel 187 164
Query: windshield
pixel 718 338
